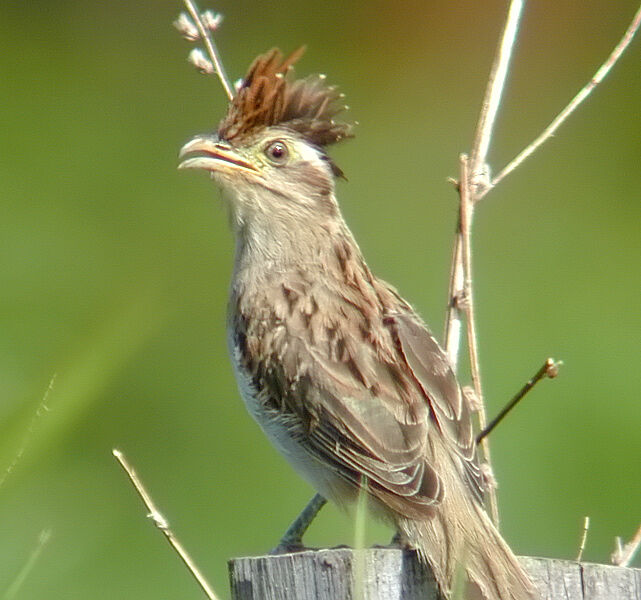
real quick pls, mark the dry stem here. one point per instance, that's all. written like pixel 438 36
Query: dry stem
pixel 473 179
pixel 161 523
pixel 623 555
pixel 584 537
pixel 603 70
pixel 465 226
pixel 210 45
pixel 476 183
pixel 549 369
pixel 494 91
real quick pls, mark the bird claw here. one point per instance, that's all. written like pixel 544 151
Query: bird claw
pixel 289 546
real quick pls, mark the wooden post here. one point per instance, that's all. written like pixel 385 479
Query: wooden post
pixel 392 574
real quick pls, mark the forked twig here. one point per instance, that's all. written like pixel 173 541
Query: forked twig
pixel 480 148
pixel 161 523
pixel 494 91
pixel 601 73
pixel 477 183
pixel 624 554
pixel 549 369
pixel 584 538
pixel 472 180
pixel 210 45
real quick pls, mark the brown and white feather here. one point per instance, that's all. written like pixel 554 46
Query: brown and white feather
pixel 338 370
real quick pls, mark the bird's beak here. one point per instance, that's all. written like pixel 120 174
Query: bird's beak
pixel 212 154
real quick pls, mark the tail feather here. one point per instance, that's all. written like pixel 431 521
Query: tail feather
pixel 460 539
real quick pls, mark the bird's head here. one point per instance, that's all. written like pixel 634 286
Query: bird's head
pixel 269 152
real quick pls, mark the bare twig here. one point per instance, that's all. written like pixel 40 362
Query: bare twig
pixel 584 537
pixel 624 554
pixel 42 409
pixel 161 523
pixel 467 301
pixel 603 70
pixel 454 317
pixel 22 575
pixel 493 93
pixel 549 369
pixel 210 45
pixel 474 178
pixel 477 168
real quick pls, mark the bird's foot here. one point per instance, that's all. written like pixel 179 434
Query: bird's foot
pixel 289 546
pixel 398 542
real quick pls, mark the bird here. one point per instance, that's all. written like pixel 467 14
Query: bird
pixel 339 371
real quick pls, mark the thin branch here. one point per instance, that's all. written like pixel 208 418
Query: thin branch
pixel 603 70
pixel 623 555
pixel 454 317
pixel 210 45
pixel 161 523
pixel 584 538
pixel 22 575
pixel 467 301
pixel 549 369
pixel 480 149
pixel 494 90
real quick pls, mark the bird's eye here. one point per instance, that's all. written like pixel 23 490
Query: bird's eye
pixel 277 152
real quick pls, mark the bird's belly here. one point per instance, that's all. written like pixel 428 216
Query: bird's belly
pixel 283 436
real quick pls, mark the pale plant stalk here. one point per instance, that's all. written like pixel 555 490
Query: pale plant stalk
pixel 454 317
pixel 598 77
pixel 472 180
pixel 584 538
pixel 161 523
pixel 494 91
pixel 466 215
pixel 478 184
pixel 210 45
pixel 624 554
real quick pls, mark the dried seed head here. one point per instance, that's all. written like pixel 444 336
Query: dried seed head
pixel 186 27
pixel 211 20
pixel 200 61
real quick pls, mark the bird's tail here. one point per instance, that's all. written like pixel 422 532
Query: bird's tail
pixel 460 543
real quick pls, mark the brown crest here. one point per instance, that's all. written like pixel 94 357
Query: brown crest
pixel 269 96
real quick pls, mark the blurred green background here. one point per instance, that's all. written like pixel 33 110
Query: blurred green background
pixel 114 270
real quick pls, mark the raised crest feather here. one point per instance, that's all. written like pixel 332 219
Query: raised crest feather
pixel 268 96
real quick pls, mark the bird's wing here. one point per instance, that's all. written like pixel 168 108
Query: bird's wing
pixel 373 416
pixel 374 432
pixel 362 389
pixel 433 373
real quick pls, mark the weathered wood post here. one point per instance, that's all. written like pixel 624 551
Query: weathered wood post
pixel 392 574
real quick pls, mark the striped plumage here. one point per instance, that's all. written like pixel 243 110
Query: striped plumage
pixel 338 370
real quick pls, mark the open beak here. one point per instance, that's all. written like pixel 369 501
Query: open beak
pixel 212 155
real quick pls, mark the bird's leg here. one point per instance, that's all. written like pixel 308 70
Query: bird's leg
pixel 398 542
pixel 292 541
